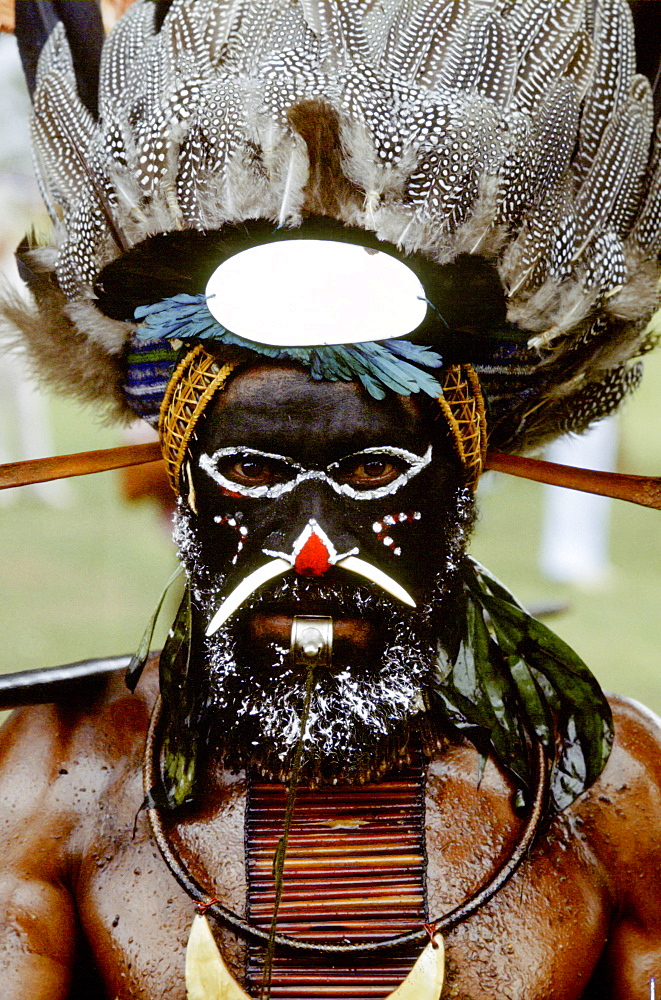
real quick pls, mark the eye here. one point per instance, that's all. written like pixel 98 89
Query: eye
pixel 368 472
pixel 251 470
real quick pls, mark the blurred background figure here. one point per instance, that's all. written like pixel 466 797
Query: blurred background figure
pixel 111 10
pixel 150 481
pixel 575 535
pixel 24 418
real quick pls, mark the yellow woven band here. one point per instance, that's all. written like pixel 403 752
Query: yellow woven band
pixel 199 376
pixel 462 404
pixel 195 380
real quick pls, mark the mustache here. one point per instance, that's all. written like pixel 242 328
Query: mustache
pixel 337 595
pixel 275 568
pixel 336 592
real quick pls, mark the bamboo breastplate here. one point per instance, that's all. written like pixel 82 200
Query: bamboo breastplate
pixel 354 872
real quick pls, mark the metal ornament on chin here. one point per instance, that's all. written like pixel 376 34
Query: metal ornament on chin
pixel 207 975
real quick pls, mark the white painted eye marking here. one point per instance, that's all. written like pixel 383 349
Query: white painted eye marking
pixel 209 464
pixel 416 463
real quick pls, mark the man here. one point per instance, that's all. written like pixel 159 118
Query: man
pixel 366 763
pixel 580 918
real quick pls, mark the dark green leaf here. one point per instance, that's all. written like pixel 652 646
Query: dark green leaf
pixel 479 695
pixel 556 692
pixel 141 655
pixel 178 695
pixel 534 702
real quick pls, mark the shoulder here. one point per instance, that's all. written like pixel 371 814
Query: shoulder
pixel 58 765
pixel 634 767
pixel 623 809
pixel 101 711
pixel 55 758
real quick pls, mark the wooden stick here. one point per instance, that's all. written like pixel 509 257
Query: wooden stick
pixel 38 687
pixel 643 490
pixel 42 470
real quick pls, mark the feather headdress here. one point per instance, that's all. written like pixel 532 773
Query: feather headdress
pixel 504 149
pixel 515 133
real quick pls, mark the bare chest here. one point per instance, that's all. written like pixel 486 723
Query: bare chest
pixel 537 939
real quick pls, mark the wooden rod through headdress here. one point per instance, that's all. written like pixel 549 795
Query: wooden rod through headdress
pixel 642 490
pixel 43 470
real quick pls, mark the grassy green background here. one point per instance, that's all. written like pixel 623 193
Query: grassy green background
pixel 81 580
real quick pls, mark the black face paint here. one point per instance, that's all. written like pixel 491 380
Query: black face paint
pixel 362 706
pixel 282 458
pixel 376 478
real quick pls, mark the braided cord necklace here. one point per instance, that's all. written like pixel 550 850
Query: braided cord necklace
pixel 208 904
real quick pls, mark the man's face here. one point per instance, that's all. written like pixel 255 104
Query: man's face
pixel 308 476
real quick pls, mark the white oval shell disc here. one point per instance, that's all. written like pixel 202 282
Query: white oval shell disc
pixel 307 293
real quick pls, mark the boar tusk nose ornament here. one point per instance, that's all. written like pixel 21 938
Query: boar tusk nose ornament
pixel 377 576
pixel 248 586
pixel 278 566
pixel 312 554
pixel 208 978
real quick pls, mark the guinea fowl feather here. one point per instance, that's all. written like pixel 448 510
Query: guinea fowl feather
pixel 515 130
pixel 612 187
pixel 646 231
pixel 615 65
pixel 127 43
pixel 492 69
pixel 530 19
pixel 573 55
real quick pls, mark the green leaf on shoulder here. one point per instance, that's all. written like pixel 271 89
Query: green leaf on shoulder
pixel 178 694
pixel 513 676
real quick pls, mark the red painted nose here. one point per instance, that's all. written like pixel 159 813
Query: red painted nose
pixel 314 557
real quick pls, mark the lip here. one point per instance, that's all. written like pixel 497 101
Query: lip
pixel 357 633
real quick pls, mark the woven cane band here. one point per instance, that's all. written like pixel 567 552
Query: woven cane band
pixel 195 381
pixel 354 872
pixel 199 376
pixel 462 404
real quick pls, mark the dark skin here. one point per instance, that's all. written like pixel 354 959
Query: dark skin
pixel 89 910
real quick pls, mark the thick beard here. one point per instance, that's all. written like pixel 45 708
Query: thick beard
pixel 360 718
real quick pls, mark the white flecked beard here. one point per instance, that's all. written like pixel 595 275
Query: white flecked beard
pixel 361 714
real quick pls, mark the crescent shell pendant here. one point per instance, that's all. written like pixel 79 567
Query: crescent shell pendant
pixel 208 978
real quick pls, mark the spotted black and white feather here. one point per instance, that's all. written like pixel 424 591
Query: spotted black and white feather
pixel 517 131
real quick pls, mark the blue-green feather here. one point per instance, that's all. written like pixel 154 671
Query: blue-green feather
pixel 388 364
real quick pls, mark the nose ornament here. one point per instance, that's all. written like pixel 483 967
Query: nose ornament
pixel 313 552
pixel 314 559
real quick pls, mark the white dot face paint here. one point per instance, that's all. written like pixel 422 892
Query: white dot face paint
pixel 291 474
pixel 311 293
pixel 380 528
